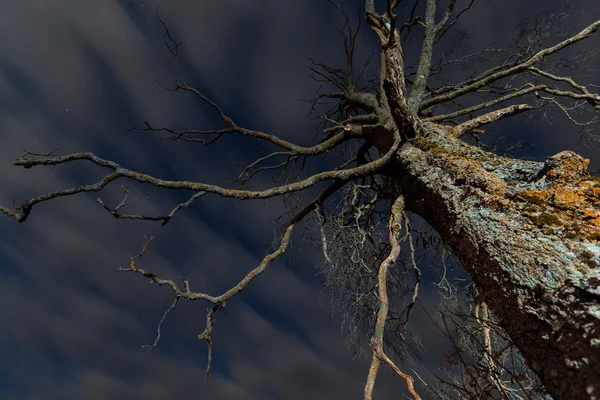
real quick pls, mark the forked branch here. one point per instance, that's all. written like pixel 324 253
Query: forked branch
pixel 164 218
pixel 220 301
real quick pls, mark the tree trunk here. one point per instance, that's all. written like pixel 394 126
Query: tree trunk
pixel 527 233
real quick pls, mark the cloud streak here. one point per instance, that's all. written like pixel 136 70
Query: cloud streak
pixel 72 326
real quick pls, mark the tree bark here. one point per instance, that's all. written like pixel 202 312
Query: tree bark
pixel 527 233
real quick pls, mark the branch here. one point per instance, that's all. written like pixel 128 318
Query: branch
pixel 207 335
pixel 567 111
pixel 221 300
pixel 488 356
pixel 581 88
pixel 394 227
pixel 488 118
pixel 443 27
pixel 157 340
pixel 27 205
pixel 529 88
pixel 190 135
pixel 120 172
pixel 250 170
pixel 391 48
pixel 591 98
pixel 173 47
pixel 417 271
pixel 363 100
pixel 165 219
pixel 411 21
pixel 433 33
pixel 431 30
pixel 516 69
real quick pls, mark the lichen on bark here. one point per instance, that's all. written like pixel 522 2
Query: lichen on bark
pixel 527 232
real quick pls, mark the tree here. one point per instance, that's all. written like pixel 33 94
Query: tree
pixel 525 231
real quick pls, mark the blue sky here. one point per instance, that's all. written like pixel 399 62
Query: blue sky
pixel 78 75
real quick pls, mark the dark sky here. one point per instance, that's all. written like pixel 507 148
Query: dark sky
pixel 79 74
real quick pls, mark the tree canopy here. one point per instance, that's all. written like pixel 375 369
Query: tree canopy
pixel 406 165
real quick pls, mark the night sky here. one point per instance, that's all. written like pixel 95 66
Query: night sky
pixel 77 74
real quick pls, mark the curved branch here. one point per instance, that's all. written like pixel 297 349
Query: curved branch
pixel 27 205
pixel 219 301
pixel 395 226
pixel 190 135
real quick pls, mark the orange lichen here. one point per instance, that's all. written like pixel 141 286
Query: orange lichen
pixel 538 197
pixel 566 166
pixel 568 198
pixel 571 206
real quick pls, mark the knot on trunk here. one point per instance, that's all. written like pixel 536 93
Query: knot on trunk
pixel 565 166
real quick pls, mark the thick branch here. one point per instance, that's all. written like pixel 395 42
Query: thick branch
pixel 389 38
pixel 488 118
pixel 431 30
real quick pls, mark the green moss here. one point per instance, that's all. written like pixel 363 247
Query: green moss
pixel 429 146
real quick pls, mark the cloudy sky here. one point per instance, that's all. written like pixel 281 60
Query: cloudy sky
pixel 78 74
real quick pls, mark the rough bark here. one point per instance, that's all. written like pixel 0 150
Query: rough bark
pixel 527 232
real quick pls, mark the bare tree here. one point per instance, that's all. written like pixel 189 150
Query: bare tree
pixel 526 232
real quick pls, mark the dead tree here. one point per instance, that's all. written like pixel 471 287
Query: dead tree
pixel 527 232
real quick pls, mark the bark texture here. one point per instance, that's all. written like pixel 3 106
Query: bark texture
pixel 527 232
